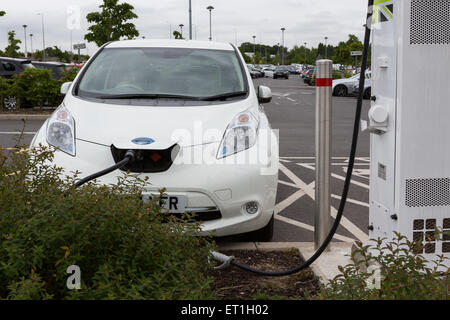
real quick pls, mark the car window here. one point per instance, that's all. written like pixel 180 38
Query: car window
pixel 8 66
pixel 163 71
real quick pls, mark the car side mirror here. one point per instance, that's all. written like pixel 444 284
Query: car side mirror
pixel 65 88
pixel 264 94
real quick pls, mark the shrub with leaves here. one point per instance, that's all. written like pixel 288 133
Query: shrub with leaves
pixel 125 248
pixel 403 274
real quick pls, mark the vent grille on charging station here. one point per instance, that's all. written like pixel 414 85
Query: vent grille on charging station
pixel 428 192
pixel 430 22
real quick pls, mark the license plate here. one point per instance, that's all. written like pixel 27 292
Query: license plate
pixel 172 203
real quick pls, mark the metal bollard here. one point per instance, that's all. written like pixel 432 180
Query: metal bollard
pixel 322 220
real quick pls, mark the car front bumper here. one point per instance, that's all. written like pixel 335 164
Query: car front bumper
pixel 213 185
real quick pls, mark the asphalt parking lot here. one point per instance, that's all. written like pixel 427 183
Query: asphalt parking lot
pixel 292 112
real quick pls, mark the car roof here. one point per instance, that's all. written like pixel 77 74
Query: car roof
pixel 15 60
pixel 166 43
pixel 48 63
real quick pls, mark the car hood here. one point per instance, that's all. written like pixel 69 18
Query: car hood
pixel 118 125
pixel 340 81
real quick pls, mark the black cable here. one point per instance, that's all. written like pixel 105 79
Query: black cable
pixel 348 178
pixel 130 156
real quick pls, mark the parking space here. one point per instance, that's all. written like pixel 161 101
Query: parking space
pixel 292 112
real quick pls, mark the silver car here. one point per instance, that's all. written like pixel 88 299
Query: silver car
pixel 344 87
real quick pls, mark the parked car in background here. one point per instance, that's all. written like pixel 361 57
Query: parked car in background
pixel 281 72
pixel 268 72
pixel 255 73
pixel 57 68
pixel 344 87
pixel 8 68
pixel 68 66
pixel 12 66
pixel 308 76
pixel 367 89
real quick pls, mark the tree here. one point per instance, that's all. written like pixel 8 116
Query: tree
pixel 12 49
pixel 177 35
pixel 111 23
pixel 2 13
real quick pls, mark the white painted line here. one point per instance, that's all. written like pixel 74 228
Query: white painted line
pixel 359 184
pixel 291 99
pixel 287 202
pixel 310 228
pixel 347 224
pixel 18 133
pixel 288 184
pixel 363 204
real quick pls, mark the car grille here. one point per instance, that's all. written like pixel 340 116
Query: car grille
pixel 147 161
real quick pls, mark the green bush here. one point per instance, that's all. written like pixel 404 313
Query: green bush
pixel 120 243
pixel 38 87
pixel 404 274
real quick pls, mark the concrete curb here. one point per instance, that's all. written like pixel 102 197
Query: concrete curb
pixel 24 116
pixel 325 267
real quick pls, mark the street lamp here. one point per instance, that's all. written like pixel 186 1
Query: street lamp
pixel 31 40
pixel 25 33
pixel 326 47
pixel 190 20
pixel 43 35
pixel 254 49
pixel 181 27
pixel 305 53
pixel 210 8
pixel 282 48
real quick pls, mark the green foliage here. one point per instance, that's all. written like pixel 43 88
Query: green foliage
pixel 69 75
pixel 37 86
pixel 404 274
pixel 12 50
pixel 2 13
pixel 120 243
pixel 111 24
pixel 177 35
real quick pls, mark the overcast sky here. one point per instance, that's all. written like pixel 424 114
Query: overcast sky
pixel 305 20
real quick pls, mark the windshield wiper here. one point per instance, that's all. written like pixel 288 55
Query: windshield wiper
pixel 222 97
pixel 147 96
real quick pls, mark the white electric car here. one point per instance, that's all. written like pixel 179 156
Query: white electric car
pixel 192 115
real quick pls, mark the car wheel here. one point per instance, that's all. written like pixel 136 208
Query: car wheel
pixel 10 103
pixel 341 91
pixel 367 93
pixel 262 235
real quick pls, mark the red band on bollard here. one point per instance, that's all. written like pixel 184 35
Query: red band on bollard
pixel 324 82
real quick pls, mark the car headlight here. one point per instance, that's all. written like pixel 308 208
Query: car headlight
pixel 61 131
pixel 240 135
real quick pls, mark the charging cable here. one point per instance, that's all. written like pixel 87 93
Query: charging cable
pixel 231 261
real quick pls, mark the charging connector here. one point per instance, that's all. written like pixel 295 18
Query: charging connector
pixel 130 156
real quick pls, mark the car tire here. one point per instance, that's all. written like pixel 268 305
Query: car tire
pixel 340 91
pixel 10 103
pixel 262 235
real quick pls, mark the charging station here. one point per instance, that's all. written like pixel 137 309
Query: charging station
pixel 409 123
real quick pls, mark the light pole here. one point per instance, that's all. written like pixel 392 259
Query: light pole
pixel 181 27
pixel 210 8
pixel 31 40
pixel 43 36
pixel 254 49
pixel 282 48
pixel 25 34
pixel 326 47
pixel 190 20
pixel 305 54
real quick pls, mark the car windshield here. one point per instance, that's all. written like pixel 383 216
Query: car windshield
pixel 153 73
